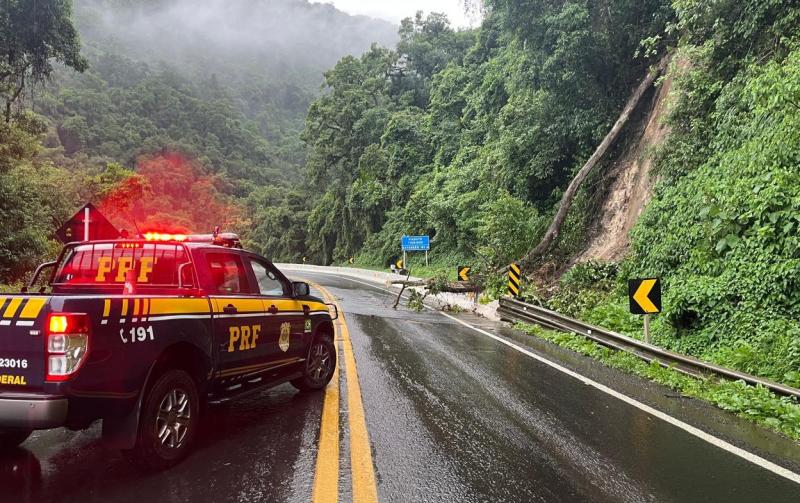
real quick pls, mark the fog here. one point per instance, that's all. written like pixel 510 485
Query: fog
pixel 210 35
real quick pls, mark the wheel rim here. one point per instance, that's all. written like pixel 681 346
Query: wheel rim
pixel 319 365
pixel 172 422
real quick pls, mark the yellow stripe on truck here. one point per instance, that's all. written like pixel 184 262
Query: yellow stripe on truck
pixel 249 305
pixel 33 307
pixel 11 310
pixel 260 305
pixel 178 306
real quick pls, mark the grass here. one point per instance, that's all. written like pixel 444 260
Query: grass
pixel 755 403
pixel 416 265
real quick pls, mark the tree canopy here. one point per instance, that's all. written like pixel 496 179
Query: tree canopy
pixel 33 34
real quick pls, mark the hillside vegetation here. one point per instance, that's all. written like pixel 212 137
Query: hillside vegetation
pixel 471 137
pixel 328 147
pixel 107 99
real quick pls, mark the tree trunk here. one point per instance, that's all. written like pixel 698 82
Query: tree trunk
pixel 451 287
pixel 569 195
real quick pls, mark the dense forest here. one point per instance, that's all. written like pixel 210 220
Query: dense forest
pixel 472 137
pixel 108 98
pixel 330 147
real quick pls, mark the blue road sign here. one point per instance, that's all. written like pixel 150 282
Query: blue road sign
pixel 415 243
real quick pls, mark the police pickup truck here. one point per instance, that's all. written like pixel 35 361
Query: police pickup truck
pixel 143 333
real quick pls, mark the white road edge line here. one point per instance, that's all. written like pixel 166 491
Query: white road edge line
pixel 711 439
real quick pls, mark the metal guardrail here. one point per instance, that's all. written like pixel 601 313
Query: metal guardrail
pixel 514 310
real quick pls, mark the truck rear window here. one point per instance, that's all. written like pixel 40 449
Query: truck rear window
pixel 108 263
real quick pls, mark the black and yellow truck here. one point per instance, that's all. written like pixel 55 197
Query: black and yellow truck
pixel 144 333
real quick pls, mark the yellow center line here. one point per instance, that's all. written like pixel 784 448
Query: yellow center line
pixel 326 476
pixel 363 472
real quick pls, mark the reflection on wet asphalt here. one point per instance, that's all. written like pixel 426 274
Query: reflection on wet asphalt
pixel 259 449
pixel 451 415
pixel 455 416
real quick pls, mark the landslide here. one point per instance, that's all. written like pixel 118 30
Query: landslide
pixel 628 180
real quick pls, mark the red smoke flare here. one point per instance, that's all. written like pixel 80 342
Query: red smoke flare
pixel 169 193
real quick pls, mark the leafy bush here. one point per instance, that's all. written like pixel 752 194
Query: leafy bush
pixel 724 235
pixel 592 273
pixel 754 403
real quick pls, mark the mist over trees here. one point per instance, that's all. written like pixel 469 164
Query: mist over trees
pixel 27 55
pixel 227 83
pixel 282 39
pixel 223 85
pixel 317 143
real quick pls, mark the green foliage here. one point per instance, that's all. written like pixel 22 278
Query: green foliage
pixel 416 300
pixel 156 111
pixel 723 234
pixel 590 291
pixel 508 228
pixel 32 36
pixel 33 202
pixel 592 273
pixel 754 403
pixel 277 223
pixel 470 136
pixel 161 85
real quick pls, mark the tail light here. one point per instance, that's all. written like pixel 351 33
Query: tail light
pixel 67 344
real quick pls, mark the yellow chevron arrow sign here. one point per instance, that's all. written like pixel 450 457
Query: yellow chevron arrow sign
pixel 463 272
pixel 644 295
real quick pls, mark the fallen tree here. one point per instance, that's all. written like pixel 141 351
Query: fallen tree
pixel 432 284
pixel 569 195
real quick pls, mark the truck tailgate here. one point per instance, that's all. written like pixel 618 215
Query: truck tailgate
pixel 22 358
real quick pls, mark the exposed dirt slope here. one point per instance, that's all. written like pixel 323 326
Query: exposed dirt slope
pixel 630 190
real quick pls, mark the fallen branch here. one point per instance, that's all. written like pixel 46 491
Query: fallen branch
pixel 450 287
pixel 400 294
pixel 569 195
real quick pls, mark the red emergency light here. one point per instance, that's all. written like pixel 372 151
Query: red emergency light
pixel 161 236
pixel 226 239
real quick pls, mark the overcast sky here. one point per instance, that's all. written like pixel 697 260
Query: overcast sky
pixel 395 10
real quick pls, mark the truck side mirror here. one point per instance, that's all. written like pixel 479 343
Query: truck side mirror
pixel 301 289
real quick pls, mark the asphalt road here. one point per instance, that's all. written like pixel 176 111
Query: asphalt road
pixel 449 414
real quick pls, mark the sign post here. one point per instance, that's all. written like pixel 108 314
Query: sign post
pixel 86 220
pixel 644 297
pixel 87 223
pixel 415 243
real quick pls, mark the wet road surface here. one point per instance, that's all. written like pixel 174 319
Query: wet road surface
pixel 450 415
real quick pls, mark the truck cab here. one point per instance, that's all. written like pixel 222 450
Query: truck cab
pixel 143 333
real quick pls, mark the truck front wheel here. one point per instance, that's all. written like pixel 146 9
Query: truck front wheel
pixel 319 367
pixel 12 438
pixel 168 423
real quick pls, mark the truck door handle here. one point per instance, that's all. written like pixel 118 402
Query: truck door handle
pixel 272 309
pixel 229 309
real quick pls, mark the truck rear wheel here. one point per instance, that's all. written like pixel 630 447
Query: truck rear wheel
pixel 168 423
pixel 12 438
pixel 319 367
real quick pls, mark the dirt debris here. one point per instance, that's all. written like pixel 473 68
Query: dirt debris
pixel 630 191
